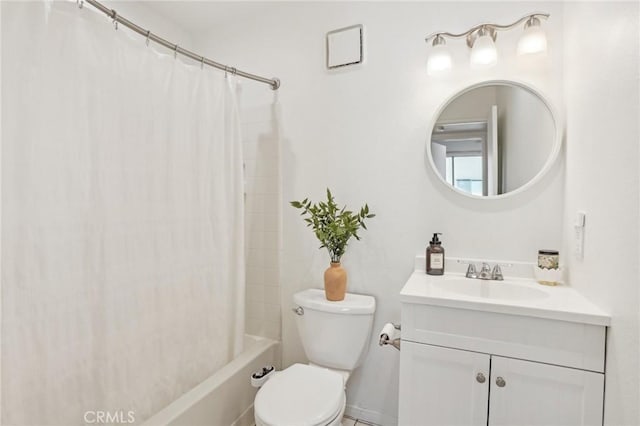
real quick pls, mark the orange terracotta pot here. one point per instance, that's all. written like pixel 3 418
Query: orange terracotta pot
pixel 335 282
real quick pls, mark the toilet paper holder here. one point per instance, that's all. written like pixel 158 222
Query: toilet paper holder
pixel 388 335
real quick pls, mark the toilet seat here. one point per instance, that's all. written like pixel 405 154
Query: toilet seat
pixel 301 395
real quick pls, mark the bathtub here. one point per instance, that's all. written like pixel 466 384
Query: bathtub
pixel 226 397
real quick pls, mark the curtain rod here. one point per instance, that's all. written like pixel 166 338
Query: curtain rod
pixel 113 14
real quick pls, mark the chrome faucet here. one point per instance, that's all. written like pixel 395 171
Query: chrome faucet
pixel 471 271
pixel 496 274
pixel 486 273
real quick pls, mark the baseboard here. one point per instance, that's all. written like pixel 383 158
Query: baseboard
pixel 370 416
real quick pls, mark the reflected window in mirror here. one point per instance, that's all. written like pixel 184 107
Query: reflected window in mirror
pixel 465 173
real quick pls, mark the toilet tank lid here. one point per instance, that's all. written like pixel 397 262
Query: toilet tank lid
pixel 353 304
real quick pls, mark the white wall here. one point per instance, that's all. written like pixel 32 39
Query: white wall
pixel 144 15
pixel 602 100
pixel 362 131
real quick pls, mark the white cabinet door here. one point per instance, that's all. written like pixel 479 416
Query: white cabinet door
pixel 535 394
pixel 441 386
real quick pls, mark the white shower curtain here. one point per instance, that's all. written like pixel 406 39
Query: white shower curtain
pixel 122 220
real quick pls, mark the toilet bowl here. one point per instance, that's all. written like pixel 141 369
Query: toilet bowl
pixel 301 395
pixel 335 337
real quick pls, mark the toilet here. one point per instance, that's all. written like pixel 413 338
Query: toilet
pixel 335 337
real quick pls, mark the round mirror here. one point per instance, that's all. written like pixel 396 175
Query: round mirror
pixel 493 138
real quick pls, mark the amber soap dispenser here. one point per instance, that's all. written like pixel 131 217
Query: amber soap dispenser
pixel 435 256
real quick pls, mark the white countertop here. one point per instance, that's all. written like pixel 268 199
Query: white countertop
pixel 558 302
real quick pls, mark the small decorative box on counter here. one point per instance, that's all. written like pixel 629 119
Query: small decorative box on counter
pixel 548 271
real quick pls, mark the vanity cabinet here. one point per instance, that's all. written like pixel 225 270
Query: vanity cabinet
pixel 468 367
pixel 445 386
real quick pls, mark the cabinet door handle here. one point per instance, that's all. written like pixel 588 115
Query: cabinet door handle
pixel 480 378
pixel 500 382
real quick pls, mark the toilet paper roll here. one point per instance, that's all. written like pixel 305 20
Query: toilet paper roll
pixel 389 330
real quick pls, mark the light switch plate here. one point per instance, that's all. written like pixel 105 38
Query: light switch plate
pixel 344 46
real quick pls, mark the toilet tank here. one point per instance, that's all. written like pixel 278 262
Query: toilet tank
pixel 334 334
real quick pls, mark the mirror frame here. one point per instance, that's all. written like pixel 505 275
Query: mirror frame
pixel 551 159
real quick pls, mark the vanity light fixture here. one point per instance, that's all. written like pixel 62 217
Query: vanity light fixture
pixel 439 59
pixel 481 40
pixel 534 40
pixel 483 48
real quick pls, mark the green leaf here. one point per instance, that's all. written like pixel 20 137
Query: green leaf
pixel 333 226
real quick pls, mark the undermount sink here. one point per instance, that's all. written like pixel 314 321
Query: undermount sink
pixel 502 290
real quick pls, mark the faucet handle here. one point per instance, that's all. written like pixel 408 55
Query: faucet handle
pixel 485 272
pixel 471 271
pixel 496 274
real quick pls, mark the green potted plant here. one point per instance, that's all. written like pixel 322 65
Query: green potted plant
pixel 333 227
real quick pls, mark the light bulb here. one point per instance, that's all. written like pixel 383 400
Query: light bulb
pixel 439 60
pixel 533 40
pixel 483 52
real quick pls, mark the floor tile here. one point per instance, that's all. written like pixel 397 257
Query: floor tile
pixel 348 422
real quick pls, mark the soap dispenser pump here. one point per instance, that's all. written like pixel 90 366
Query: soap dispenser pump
pixel 435 256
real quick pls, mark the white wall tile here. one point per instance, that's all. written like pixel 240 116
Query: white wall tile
pixel 271 330
pixel 262 223
pixel 272 312
pixel 255 293
pixel 272 294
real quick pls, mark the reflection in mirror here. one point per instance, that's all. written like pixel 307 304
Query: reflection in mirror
pixel 492 139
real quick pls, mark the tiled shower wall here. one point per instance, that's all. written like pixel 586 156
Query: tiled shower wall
pixel 262 220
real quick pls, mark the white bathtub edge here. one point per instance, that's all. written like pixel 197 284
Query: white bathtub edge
pixel 181 405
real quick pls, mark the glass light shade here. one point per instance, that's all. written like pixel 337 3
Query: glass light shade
pixel 483 52
pixel 439 60
pixel 533 40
